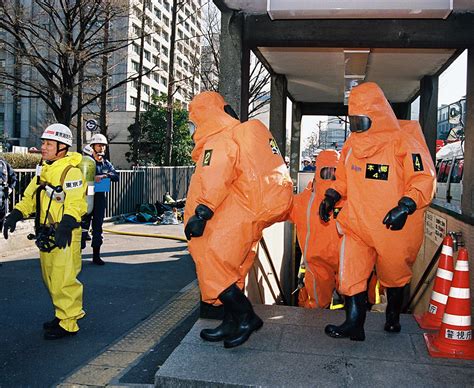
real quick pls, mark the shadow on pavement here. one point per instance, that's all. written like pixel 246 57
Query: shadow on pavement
pixel 117 297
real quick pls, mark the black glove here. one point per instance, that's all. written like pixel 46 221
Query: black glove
pixel 63 235
pixel 331 197
pixel 197 223
pixel 10 222
pixel 396 218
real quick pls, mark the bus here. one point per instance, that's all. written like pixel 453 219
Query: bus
pixel 449 172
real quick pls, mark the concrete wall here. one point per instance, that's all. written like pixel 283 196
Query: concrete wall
pixel 426 253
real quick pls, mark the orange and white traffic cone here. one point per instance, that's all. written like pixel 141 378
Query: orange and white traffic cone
pixel 431 320
pixel 454 339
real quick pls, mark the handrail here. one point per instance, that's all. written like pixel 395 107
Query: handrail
pixel 269 258
pixel 423 278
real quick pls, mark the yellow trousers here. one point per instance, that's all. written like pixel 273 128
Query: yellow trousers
pixel 60 268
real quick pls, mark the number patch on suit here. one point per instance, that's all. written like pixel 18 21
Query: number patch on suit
pixel 206 160
pixel 274 146
pixel 376 171
pixel 417 162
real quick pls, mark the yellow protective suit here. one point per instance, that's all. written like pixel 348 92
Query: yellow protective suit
pixel 60 267
pixel 241 176
pixel 376 169
pixel 318 240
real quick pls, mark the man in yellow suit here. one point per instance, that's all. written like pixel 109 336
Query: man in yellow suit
pixel 57 195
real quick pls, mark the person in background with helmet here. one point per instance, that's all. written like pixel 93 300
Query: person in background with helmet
pixel 386 177
pixel 104 169
pixel 319 241
pixel 307 165
pixel 57 196
pixel 240 186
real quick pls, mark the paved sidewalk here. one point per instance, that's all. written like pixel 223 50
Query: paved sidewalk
pixel 291 350
pixel 143 280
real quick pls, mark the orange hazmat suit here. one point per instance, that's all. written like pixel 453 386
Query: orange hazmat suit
pixel 318 240
pixel 242 178
pixel 376 169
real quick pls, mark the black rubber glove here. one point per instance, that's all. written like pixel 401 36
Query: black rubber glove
pixel 331 197
pixel 396 218
pixel 10 222
pixel 197 223
pixel 63 235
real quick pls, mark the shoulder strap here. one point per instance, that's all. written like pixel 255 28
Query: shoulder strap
pixel 64 173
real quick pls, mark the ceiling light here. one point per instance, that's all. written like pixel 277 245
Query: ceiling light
pixel 359 9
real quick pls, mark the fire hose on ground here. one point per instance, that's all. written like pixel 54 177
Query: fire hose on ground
pixel 153 235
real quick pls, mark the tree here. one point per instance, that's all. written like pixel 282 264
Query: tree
pixel 259 78
pixel 152 145
pixel 57 42
pixel 311 145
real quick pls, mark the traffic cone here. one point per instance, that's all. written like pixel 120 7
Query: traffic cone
pixel 431 320
pixel 454 339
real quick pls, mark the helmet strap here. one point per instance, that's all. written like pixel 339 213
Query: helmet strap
pixel 58 150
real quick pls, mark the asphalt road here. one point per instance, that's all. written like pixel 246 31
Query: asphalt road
pixel 140 276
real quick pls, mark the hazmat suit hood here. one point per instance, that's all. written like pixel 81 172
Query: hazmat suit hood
pixel 206 111
pixel 73 158
pixel 326 159
pixel 368 99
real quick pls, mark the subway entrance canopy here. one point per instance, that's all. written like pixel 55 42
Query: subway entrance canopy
pixel 316 50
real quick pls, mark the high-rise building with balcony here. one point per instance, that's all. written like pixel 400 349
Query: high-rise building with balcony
pixel 22 119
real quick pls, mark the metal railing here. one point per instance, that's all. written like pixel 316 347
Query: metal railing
pixel 137 186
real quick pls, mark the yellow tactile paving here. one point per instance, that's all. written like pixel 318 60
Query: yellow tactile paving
pixel 117 358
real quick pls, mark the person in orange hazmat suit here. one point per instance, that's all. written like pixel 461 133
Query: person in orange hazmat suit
pixel 240 186
pixel 319 241
pixel 386 176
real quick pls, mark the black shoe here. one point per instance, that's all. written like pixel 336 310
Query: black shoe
pixel 353 326
pixel 246 320
pixel 96 256
pixel 394 308
pixel 57 333
pixel 51 324
pixel 224 330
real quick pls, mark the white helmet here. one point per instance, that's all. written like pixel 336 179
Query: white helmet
pixel 98 138
pixel 87 150
pixel 306 159
pixel 59 133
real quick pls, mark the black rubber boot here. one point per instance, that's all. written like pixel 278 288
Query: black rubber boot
pixel 96 256
pixel 50 324
pixel 353 326
pixel 246 320
pixel 224 330
pixel 394 308
pixel 57 333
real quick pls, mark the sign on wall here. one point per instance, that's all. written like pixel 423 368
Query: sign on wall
pixel 435 227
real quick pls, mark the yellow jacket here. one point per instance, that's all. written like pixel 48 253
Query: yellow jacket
pixel 74 187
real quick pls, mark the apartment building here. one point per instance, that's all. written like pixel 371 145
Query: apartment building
pixel 158 19
pixel 32 115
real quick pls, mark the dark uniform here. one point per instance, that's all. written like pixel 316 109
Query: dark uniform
pixel 100 202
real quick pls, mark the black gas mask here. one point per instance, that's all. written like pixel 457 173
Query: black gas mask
pixel 359 123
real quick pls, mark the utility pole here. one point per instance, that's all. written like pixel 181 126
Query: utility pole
pixel 105 75
pixel 169 105
pixel 136 125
